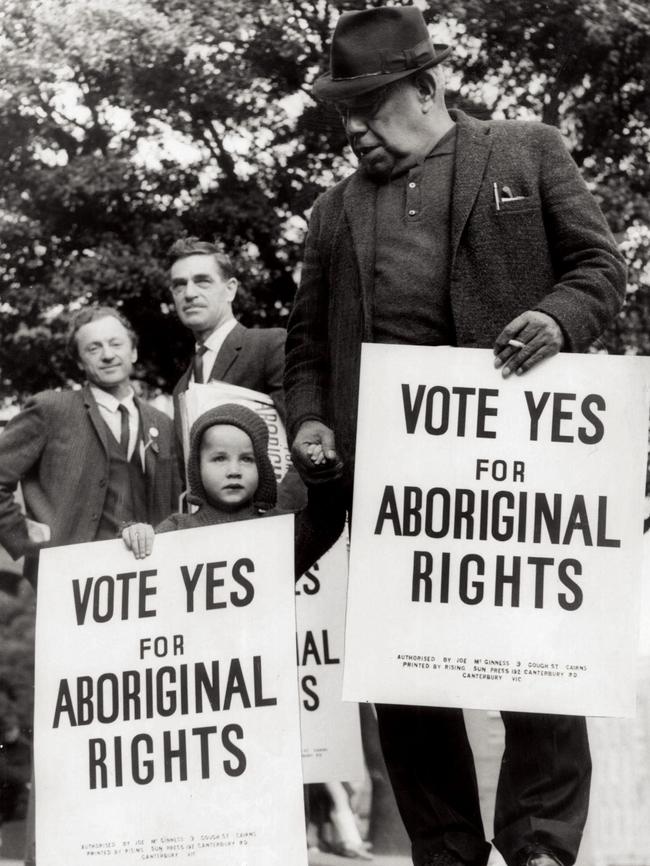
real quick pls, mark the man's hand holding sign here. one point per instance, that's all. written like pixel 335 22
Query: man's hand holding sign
pixel 524 342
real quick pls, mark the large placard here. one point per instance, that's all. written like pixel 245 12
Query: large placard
pixel 496 536
pixel 331 736
pixel 330 727
pixel 167 720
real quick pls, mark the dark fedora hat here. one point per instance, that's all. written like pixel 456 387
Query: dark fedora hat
pixel 375 47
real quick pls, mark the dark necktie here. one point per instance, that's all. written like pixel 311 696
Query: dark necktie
pixel 124 429
pixel 198 364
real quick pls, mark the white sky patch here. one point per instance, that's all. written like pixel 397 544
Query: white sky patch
pixel 208 177
pixel 489 92
pixel 239 143
pixel 294 229
pixel 441 31
pixel 120 119
pixel 165 143
pixel 293 104
pixel 67 100
pixel 168 145
pixel 282 152
pixel 53 312
pixel 206 52
pixel 51 157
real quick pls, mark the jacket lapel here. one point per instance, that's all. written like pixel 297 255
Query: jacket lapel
pixel 472 150
pixel 151 451
pixel 360 201
pixel 228 352
pixel 95 417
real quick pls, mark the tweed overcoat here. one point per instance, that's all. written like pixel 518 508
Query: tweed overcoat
pixel 57 448
pixel 549 249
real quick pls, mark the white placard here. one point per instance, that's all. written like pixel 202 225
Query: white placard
pixel 330 728
pixel 496 536
pixel 199 398
pixel 167 716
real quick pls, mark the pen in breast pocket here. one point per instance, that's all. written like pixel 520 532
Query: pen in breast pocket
pixel 497 200
pixel 508 196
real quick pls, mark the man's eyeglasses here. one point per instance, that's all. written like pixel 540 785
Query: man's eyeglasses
pixel 366 106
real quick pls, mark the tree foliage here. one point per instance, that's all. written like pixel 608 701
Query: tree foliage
pixel 123 125
pixel 17 613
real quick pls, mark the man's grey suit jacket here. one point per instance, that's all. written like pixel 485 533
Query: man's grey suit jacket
pixel 57 449
pixel 250 358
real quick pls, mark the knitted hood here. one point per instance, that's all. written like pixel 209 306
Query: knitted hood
pixel 255 427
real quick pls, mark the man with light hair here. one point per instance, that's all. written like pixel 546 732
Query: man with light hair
pixel 89 460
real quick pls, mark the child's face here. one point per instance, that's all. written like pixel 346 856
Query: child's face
pixel 228 467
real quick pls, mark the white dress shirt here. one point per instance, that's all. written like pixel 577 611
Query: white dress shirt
pixel 213 344
pixel 109 410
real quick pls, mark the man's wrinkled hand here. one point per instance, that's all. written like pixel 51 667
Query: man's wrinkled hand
pixel 526 341
pixel 314 452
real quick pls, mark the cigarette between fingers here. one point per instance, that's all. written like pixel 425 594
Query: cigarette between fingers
pixel 517 344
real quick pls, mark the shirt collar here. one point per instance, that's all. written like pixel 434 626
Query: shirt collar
pixel 109 402
pixel 444 146
pixel 219 334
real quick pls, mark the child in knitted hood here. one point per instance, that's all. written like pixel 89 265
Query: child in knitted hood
pixel 230 477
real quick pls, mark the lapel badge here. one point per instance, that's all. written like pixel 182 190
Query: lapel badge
pixel 153 434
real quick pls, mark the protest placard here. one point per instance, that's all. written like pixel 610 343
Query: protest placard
pixel 167 721
pixel 197 399
pixel 496 543
pixel 330 728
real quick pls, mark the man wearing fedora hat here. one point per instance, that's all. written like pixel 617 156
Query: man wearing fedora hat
pixel 452 231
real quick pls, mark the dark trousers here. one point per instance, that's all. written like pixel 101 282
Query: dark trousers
pixel 543 792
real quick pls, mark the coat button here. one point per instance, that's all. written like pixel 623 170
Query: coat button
pixel 102 482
